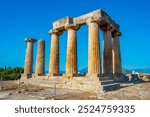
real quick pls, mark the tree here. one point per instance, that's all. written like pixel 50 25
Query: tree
pixel 9 73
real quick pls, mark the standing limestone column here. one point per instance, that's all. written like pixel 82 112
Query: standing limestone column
pixel 117 67
pixel 93 49
pixel 29 56
pixel 40 60
pixel 107 52
pixel 71 61
pixel 54 53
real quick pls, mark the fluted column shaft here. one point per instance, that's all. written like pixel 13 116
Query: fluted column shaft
pixel 29 56
pixel 54 53
pixel 117 67
pixel 71 61
pixel 40 60
pixel 107 53
pixel 93 48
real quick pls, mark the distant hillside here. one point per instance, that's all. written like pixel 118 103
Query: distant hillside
pixel 84 70
pixel 145 70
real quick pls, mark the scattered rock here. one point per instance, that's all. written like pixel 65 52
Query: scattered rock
pixel 129 76
pixel 10 93
pixel 141 74
pixel 18 91
pixel 146 78
pixel 134 77
pixel 123 79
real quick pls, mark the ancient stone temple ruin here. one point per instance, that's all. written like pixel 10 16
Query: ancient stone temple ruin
pixel 100 75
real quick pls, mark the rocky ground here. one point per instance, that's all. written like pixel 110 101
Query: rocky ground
pixel 128 91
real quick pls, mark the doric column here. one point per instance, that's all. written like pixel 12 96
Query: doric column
pixel 29 56
pixel 54 53
pixel 107 52
pixel 117 67
pixel 40 59
pixel 71 61
pixel 93 48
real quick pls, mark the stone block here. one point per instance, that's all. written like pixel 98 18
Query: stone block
pixel 60 24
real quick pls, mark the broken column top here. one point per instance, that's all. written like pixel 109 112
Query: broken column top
pixel 30 40
pixel 99 15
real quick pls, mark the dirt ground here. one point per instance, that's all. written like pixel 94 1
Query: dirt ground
pixel 10 91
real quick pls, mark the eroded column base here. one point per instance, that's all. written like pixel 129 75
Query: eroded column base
pixel 67 75
pixel 53 74
pixel 26 76
pixel 93 75
pixel 37 75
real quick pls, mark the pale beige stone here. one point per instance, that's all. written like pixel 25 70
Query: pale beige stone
pixel 71 80
pixel 40 60
pixel 93 48
pixel 71 62
pixel 81 20
pixel 29 56
pixel 146 78
pixel 54 53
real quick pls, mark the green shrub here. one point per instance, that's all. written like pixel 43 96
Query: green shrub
pixel 9 73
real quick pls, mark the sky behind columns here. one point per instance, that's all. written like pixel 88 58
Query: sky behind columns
pixel 33 18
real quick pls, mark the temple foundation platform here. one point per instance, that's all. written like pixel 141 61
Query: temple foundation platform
pixel 82 83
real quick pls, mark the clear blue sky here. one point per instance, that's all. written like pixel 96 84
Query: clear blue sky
pixel 33 18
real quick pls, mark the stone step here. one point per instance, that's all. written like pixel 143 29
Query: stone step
pixel 111 87
pixel 104 78
pixel 105 82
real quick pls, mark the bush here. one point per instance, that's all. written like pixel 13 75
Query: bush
pixel 9 73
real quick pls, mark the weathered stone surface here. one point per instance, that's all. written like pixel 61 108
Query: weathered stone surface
pixel 71 62
pixel 54 53
pixel 40 60
pixel 107 54
pixel 117 67
pixel 146 78
pixel 29 56
pixel 93 49
pixel 60 24
pixel 100 15
pixel 89 84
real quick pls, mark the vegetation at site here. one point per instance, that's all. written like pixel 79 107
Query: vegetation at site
pixel 9 73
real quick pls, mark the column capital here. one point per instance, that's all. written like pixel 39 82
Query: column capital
pixel 54 31
pixel 30 40
pixel 72 26
pixel 108 27
pixel 114 34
